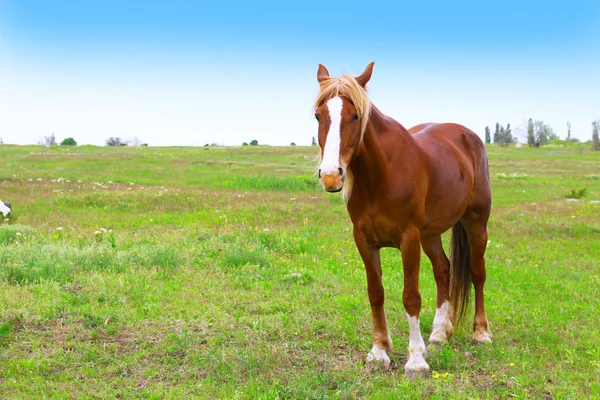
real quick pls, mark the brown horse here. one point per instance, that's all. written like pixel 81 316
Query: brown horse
pixel 403 189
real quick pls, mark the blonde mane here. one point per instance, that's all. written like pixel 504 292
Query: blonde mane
pixel 347 86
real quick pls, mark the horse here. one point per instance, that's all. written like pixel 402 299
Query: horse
pixel 404 189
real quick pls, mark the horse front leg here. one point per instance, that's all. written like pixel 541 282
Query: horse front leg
pixel 382 342
pixel 411 258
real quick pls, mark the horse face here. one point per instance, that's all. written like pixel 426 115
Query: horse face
pixel 339 133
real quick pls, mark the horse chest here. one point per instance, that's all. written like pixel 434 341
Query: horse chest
pixel 378 230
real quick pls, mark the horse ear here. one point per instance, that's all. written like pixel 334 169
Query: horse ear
pixel 365 76
pixel 322 74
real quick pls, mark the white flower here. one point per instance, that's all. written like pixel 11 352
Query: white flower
pixel 18 233
pixel 60 228
pixel 97 232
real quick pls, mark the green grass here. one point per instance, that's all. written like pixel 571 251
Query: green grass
pixel 227 272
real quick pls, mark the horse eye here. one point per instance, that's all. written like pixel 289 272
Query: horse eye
pixel 355 117
pixel 317 117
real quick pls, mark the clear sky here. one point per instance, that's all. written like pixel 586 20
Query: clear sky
pixel 196 72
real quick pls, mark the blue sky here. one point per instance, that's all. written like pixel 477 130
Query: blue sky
pixel 181 73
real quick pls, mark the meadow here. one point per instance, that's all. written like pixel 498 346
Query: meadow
pixel 142 272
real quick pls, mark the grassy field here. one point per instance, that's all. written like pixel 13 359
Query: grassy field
pixel 227 272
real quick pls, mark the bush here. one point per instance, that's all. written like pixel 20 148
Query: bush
pixel 115 141
pixel 292 144
pixel 68 142
pixel 254 143
pixel 575 193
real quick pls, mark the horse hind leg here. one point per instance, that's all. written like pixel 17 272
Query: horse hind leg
pixel 442 323
pixel 478 238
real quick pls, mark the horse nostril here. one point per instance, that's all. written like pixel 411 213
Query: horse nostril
pixel 319 173
pixel 341 171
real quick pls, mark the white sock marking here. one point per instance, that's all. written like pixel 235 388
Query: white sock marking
pixel 442 324
pixel 378 354
pixel 416 348
pixel 331 153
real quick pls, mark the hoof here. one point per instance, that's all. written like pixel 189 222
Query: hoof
pixel 481 336
pixel 416 373
pixel 438 338
pixel 376 359
pixel 416 366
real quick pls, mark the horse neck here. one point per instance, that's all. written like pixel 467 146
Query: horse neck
pixel 383 140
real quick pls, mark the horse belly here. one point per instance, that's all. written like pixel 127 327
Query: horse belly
pixel 448 200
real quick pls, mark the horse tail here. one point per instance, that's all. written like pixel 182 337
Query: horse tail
pixel 460 271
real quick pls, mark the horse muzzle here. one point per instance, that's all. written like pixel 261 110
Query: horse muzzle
pixel 332 181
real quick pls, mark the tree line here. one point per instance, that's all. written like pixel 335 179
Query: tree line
pixel 538 134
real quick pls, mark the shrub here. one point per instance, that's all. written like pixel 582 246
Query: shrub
pixel 575 193
pixel 68 142
pixel 115 141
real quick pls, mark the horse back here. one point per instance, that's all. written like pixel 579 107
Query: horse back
pixel 443 140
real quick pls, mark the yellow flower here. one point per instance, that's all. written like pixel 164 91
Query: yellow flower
pixel 512 364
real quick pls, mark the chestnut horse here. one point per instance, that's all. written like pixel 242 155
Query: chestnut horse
pixel 403 189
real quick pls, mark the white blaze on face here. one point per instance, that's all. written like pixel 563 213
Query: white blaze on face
pixel 331 153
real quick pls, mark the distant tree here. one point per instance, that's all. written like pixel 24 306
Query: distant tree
pixel 497 133
pixel 206 145
pixel 542 133
pixel 488 136
pixel 595 139
pixel 245 144
pixel 68 142
pixel 144 144
pixel 568 131
pixel 292 144
pixel 135 141
pixel 115 141
pixel 530 133
pixel 254 143
pixel 505 136
pixel 314 142
pixel 49 140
